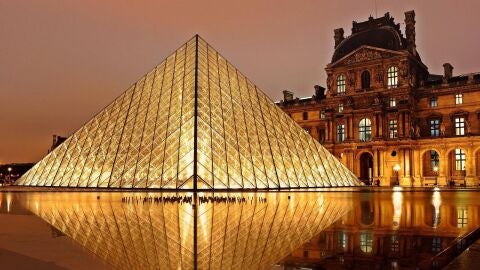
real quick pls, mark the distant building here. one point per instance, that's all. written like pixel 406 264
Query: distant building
pixel 11 172
pixel 57 140
pixel 386 117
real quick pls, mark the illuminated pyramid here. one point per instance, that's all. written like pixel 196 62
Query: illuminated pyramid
pixel 193 122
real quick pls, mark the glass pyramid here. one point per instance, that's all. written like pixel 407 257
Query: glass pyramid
pixel 213 235
pixel 196 123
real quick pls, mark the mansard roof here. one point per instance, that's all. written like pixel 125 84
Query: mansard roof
pixel 380 33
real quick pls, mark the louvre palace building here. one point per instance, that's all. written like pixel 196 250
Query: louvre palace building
pixel 388 119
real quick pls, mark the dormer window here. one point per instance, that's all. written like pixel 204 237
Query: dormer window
pixel 392 77
pixel 341 84
pixel 365 80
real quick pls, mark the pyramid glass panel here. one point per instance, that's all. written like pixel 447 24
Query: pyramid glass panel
pixel 194 122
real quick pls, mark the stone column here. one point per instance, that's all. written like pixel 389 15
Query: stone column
pixel 417 163
pixel 470 178
pixel 352 130
pixel 327 132
pixel 407 124
pixel 443 168
pixel 382 166
pixel 375 165
pixel 380 125
pixel 401 121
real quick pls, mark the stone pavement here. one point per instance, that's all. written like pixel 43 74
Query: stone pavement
pixel 469 259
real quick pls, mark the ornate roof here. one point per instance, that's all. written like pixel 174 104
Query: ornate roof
pixel 381 33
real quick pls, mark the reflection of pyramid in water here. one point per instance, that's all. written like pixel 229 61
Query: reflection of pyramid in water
pixel 161 236
pixel 193 122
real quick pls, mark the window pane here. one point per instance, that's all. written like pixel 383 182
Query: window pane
pixel 460 159
pixel 459 126
pixel 435 127
pixel 341 84
pixel 458 99
pixel 392 127
pixel 392 77
pixel 365 130
pixel 340 133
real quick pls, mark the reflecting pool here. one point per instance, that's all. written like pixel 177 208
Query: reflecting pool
pixel 390 230
pixel 273 230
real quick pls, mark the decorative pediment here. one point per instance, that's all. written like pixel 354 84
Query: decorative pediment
pixel 365 53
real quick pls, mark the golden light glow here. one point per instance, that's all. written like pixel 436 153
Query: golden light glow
pixel 136 235
pixel 194 119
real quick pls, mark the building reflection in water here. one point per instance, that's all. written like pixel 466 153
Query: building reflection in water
pixel 390 230
pixel 131 232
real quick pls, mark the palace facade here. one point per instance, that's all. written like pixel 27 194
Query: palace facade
pixel 386 117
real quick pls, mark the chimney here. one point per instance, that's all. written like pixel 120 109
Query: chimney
pixel 410 31
pixel 319 92
pixel 338 36
pixel 447 71
pixel 287 95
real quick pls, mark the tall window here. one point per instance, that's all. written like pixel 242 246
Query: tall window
pixel 459 99
pixel 459 126
pixel 462 218
pixel 365 79
pixel 341 84
pixel 340 107
pixel 342 240
pixel 392 128
pixel 305 115
pixel 340 133
pixel 434 159
pixel 433 102
pixel 460 159
pixel 366 242
pixel 365 130
pixel 392 102
pixel 435 127
pixel 436 244
pixel 395 247
pixel 392 77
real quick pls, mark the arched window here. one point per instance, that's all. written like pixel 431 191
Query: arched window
pixel 340 84
pixel 392 77
pixel 365 130
pixel 365 79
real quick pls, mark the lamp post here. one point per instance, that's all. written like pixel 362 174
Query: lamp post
pixel 435 172
pixel 396 169
pixel 9 174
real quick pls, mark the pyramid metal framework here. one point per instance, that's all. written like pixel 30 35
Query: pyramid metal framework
pixel 196 123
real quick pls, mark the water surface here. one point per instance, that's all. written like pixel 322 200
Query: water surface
pixel 329 230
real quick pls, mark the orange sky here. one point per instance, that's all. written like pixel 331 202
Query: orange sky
pixel 62 61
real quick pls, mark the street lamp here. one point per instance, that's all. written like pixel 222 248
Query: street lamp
pixel 435 172
pixel 9 173
pixel 396 168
